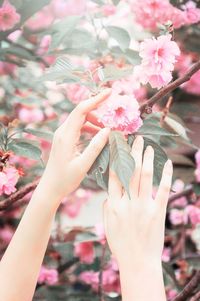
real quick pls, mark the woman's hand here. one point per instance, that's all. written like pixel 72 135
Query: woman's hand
pixel 135 227
pixel 65 168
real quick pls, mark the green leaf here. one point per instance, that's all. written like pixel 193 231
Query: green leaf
pixel 29 8
pixel 116 2
pixel 150 129
pixel 111 73
pixel 121 162
pixel 63 29
pixel 120 35
pixel 100 167
pixel 45 135
pixel 25 149
pixel 196 187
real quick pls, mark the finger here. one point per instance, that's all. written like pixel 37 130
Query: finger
pixel 90 128
pixel 87 158
pixel 136 152
pixel 115 189
pixel 146 179
pixel 93 118
pixel 162 195
pixel 71 128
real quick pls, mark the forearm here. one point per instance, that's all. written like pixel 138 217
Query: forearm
pixel 22 260
pixel 141 282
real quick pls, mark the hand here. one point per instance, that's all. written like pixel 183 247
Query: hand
pixel 135 227
pixel 65 168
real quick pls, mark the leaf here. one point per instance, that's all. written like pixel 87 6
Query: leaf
pixel 25 149
pixel 170 272
pixel 99 168
pixel 29 8
pixel 62 29
pixel 121 162
pixel 196 187
pixel 111 73
pixel 38 133
pixel 116 2
pixel 120 35
pixel 150 129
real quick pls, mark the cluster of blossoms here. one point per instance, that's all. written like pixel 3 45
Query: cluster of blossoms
pixel 48 276
pixel 150 13
pixel 158 59
pixel 8 16
pixel 120 112
pixel 8 179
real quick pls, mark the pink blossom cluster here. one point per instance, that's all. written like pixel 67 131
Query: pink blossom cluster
pixel 85 251
pixel 184 62
pixel 30 114
pixel 158 59
pixel 48 276
pixel 6 234
pixel 150 13
pixel 8 179
pixel 183 216
pixel 120 112
pixel 77 93
pixel 8 16
pixel 197 171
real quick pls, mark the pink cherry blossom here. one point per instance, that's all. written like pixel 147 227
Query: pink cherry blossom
pixel 194 214
pixel 178 186
pixel 63 8
pixel 120 112
pixel 29 114
pixel 178 217
pixel 8 16
pixel 108 9
pixel 48 276
pixel 197 171
pixel 90 278
pixel 166 254
pixel 85 251
pixel 76 93
pixel 6 234
pixel 158 59
pixel 7 68
pixel 192 13
pixel 8 179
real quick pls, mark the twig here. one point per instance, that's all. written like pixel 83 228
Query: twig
pixel 177 195
pixel 196 297
pixel 189 288
pixel 146 107
pixel 8 202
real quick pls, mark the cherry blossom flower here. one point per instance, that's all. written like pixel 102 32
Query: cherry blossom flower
pixel 178 217
pixel 29 114
pixel 8 16
pixel 85 251
pixel 158 59
pixel 76 93
pixel 120 112
pixel 6 234
pixel 48 276
pixel 63 8
pixel 194 214
pixel 108 9
pixel 8 179
pixel 192 13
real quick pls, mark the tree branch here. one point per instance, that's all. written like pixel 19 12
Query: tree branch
pixel 189 288
pixel 8 202
pixel 146 107
pixel 196 297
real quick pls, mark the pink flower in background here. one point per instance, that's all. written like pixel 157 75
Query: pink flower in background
pixel 7 68
pixel 192 13
pixel 166 254
pixel 41 19
pixel 6 234
pixel 48 276
pixel 29 115
pixel 90 278
pixel 178 217
pixel 158 59
pixel 76 93
pixel 194 214
pixel 108 9
pixel 178 186
pixel 197 171
pixel 8 179
pixel 63 8
pixel 120 112
pixel 85 251
pixel 8 16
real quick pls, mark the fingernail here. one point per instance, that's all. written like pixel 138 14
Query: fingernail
pixel 169 164
pixel 139 139
pixel 149 149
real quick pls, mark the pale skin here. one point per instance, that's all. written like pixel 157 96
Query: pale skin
pixel 138 251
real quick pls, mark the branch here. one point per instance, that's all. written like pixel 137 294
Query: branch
pixel 8 202
pixel 196 297
pixel 146 107
pixel 189 288
pixel 178 195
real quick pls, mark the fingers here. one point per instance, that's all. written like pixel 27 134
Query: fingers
pixel 146 180
pixel 165 184
pixel 115 190
pixel 77 118
pixel 90 128
pixel 91 117
pixel 87 158
pixel 136 152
